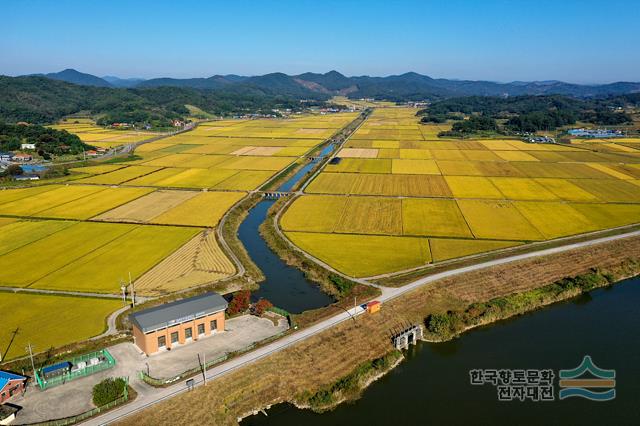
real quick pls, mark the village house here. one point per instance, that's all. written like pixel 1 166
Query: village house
pixel 10 384
pixel 23 157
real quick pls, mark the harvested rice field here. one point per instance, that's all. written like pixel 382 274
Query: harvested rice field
pixel 397 178
pixel 198 262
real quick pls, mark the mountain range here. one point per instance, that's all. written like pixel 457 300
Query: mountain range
pixel 408 86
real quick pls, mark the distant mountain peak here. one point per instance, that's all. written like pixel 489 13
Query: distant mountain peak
pixel 71 75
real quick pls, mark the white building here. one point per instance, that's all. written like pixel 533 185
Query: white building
pixel 28 146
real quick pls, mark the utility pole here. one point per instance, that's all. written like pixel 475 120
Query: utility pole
pixel 204 368
pixel 354 306
pixel 32 364
pixel 133 291
pixel 124 293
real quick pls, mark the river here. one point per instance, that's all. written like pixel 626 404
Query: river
pixel 432 385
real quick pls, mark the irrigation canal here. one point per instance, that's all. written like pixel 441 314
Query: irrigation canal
pixel 285 286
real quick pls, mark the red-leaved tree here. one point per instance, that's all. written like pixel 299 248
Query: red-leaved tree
pixel 240 302
pixel 261 306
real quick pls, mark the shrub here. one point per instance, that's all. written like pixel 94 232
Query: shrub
pixel 108 391
pixel 261 306
pixel 240 302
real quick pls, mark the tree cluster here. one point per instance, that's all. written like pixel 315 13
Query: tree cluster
pixel 47 141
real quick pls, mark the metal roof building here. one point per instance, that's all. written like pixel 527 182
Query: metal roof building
pixel 178 322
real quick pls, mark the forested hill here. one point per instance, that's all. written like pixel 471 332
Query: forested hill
pixel 532 113
pixel 403 87
pixel 36 99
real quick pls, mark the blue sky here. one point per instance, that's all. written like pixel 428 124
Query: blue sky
pixel 577 41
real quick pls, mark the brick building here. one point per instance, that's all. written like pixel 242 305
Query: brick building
pixel 178 323
pixel 10 385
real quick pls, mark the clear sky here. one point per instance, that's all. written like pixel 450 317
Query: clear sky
pixel 578 41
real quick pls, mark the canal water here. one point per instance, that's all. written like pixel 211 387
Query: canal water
pixel 285 286
pixel 432 386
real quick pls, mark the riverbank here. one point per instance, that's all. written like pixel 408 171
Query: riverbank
pixel 441 327
pixel 323 359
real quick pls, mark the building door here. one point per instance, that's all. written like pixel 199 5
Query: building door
pixel 174 338
pixel 200 329
pixel 188 333
pixel 162 342
pixel 214 326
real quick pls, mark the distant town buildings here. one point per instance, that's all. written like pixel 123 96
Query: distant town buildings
pixel 595 133
pixel 28 146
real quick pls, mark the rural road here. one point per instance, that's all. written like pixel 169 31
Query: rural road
pixel 159 395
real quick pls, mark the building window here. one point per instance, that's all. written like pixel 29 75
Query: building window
pixel 214 325
pixel 174 337
pixel 200 329
pixel 188 333
pixel 162 341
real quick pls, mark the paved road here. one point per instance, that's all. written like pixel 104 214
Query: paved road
pixel 387 295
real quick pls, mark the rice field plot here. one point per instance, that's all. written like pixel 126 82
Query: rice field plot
pixel 401 185
pixel 459 168
pixel 432 217
pixel 257 163
pixel 185 178
pixel 14 194
pixel 120 176
pixel 313 213
pixel 445 249
pixel 291 151
pixel 45 200
pixel 609 215
pixel 557 170
pixel 358 153
pixel 48 321
pixel 332 183
pixel 46 255
pixel 19 233
pixel 515 156
pixel 134 252
pixel 448 154
pixel 473 187
pixel 364 255
pixel 388 153
pixel 144 209
pixel 417 154
pixel 370 215
pixel 610 190
pixel 200 261
pixel 481 155
pixel 555 220
pixel 566 190
pixel 97 170
pixel 414 167
pixel 611 171
pixel 153 146
pixel 244 180
pixel 360 165
pixel 94 204
pixel 205 209
pixel 522 189
pixel 497 220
